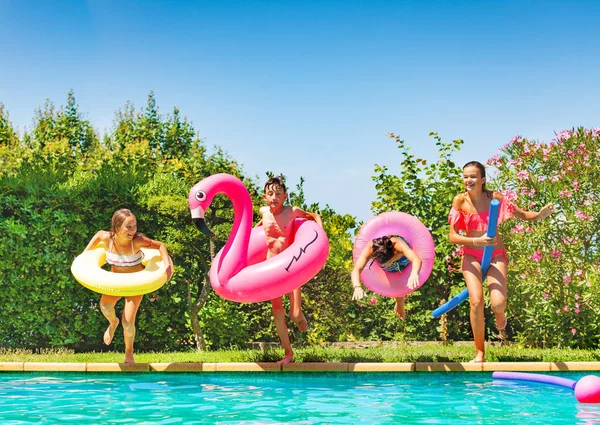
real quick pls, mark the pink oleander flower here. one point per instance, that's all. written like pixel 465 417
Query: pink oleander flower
pixel 558 311
pixel 536 256
pixel 566 308
pixel 587 202
pixel 523 174
pixel 580 215
pixel 579 272
pixel 574 331
pixel 590 217
pixel 588 283
pixel 576 311
pixel 373 301
pixel 518 228
pixel 523 276
pixel 495 161
pixel 556 254
pixel 510 195
pixel 545 295
pixel 567 280
pixel 563 135
pixel 360 304
pixel 575 185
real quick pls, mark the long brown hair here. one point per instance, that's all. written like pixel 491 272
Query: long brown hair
pixel 117 220
pixel 481 169
pixel 383 250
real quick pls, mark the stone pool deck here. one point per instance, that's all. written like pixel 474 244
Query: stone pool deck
pixel 301 367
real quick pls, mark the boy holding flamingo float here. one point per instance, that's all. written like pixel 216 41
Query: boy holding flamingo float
pixel 278 223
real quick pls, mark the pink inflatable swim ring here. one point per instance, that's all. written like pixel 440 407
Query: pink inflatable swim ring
pixel 418 237
pixel 240 271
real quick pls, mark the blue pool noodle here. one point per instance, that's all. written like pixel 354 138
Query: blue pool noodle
pixel 485 263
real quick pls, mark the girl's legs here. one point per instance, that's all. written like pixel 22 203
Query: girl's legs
pixel 129 312
pixel 399 307
pixel 472 272
pixel 107 307
pixel 296 314
pixel 496 278
pixel 282 331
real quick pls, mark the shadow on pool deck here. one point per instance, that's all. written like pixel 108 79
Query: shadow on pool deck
pixel 301 367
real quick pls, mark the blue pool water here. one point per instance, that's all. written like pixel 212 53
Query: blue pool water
pixel 287 398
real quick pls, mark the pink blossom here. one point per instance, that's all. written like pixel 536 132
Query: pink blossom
pixel 580 215
pixel 579 272
pixel 523 276
pixel 587 202
pixel 556 254
pixel 360 304
pixel 574 331
pixel 558 311
pixel 510 195
pixel 523 174
pixel 576 311
pixel 373 300
pixel 536 256
pixel 575 185
pixel 518 228
pixel 576 296
pixel 588 283
pixel 567 280
pixel 545 295
pixel 566 308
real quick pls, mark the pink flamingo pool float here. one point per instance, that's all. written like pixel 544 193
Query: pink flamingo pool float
pixel 240 271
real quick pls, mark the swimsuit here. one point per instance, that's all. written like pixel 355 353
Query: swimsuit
pixel 122 260
pixel 478 221
pixel 398 265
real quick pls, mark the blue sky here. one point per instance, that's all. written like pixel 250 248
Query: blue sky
pixel 309 88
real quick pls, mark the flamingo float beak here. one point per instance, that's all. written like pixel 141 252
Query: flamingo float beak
pixel 201 225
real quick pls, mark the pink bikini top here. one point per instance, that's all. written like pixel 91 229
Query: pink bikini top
pixel 478 221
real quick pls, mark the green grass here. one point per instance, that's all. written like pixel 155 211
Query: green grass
pixel 401 353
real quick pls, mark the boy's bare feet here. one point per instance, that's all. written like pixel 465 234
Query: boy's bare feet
pixel 288 358
pixel 301 322
pixel 110 332
pixel 129 358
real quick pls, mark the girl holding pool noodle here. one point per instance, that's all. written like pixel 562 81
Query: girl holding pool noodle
pixel 469 214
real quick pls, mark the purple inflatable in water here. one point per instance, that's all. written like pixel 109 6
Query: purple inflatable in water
pixel 587 389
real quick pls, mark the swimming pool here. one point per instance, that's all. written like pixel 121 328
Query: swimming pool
pixel 287 398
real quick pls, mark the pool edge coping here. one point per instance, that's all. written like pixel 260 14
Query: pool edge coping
pixel 300 367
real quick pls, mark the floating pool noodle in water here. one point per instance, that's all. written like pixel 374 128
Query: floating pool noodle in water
pixel 485 263
pixel 587 389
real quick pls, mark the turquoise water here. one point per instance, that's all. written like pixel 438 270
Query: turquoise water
pixel 286 398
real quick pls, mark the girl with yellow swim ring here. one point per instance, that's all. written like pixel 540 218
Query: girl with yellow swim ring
pixel 124 254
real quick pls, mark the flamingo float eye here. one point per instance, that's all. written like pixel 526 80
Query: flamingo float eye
pixel 200 196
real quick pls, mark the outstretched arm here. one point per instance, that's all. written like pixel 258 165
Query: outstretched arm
pixel 413 279
pixel 359 265
pixel 532 215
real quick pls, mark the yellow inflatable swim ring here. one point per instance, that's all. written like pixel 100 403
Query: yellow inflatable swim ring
pixel 87 270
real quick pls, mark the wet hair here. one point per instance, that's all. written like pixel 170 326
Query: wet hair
pixel 274 182
pixel 118 218
pixel 481 169
pixel 383 250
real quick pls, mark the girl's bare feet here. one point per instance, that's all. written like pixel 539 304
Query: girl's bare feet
pixel 110 332
pixel 399 309
pixel 129 358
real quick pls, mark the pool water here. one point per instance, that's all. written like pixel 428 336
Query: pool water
pixel 287 398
